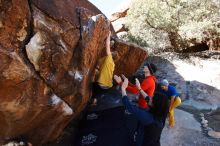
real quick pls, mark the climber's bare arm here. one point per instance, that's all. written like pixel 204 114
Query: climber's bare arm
pixel 108 39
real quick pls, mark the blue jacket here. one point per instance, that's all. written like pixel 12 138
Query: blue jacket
pixel 149 129
pixel 170 92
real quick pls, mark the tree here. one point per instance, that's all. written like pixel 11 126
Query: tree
pixel 173 23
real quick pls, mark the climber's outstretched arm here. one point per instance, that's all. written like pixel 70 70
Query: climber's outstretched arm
pixel 108 39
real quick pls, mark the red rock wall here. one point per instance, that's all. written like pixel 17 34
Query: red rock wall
pixel 127 57
pixel 48 52
pixel 214 44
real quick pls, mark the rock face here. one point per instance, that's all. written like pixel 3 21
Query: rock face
pixel 48 52
pixel 214 44
pixel 125 58
pixel 203 45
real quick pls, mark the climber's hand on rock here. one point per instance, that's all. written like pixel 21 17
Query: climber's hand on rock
pixel 107 43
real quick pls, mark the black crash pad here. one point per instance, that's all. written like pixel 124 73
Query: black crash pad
pixel 110 127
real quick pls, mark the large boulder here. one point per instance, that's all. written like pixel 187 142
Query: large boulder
pixel 127 58
pixel 48 53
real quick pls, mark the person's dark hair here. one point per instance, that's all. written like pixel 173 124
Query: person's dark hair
pixel 152 68
pixel 161 105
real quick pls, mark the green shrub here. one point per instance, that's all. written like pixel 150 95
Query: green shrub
pixel 162 24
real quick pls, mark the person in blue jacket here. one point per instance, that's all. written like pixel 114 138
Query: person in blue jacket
pixel 151 120
pixel 174 98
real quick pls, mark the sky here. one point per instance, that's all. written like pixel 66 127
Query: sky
pixel 108 6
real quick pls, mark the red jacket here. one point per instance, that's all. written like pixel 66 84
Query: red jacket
pixel 148 85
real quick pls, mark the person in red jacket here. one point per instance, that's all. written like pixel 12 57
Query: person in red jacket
pixel 148 84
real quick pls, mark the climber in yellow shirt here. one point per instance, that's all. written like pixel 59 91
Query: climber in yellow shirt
pixel 105 75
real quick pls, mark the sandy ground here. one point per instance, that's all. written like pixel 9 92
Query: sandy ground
pixel 186 132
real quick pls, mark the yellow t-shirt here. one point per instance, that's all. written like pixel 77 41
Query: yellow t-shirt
pixel 106 71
